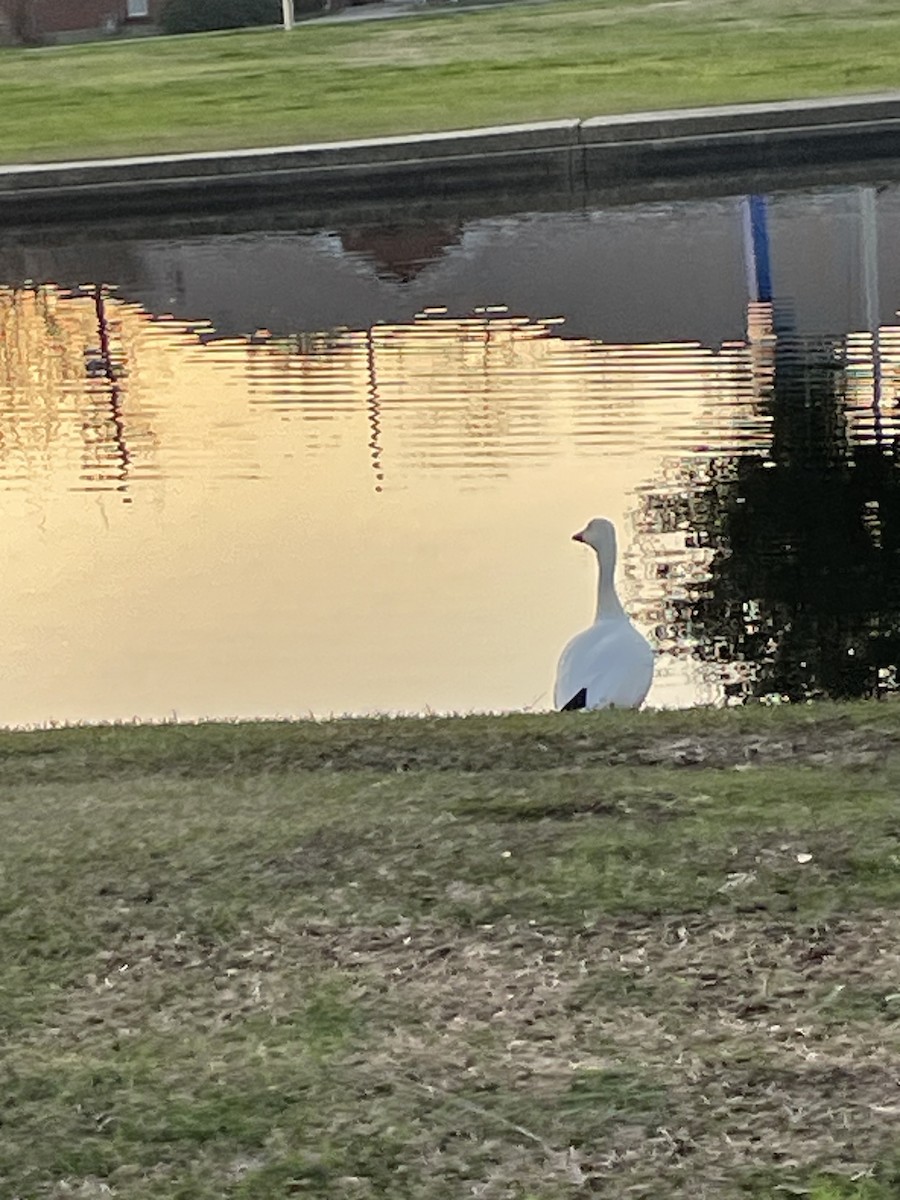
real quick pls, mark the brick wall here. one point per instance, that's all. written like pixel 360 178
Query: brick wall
pixel 70 16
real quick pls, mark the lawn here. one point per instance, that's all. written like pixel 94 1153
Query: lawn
pixel 533 957
pixel 437 70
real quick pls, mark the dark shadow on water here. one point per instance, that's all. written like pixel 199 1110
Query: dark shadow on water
pixel 276 213
pixel 804 579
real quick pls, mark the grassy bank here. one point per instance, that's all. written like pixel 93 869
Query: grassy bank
pixel 532 957
pixel 569 58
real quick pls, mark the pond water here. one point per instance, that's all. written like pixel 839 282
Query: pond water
pixel 283 473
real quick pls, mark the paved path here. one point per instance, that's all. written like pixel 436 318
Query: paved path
pixel 401 8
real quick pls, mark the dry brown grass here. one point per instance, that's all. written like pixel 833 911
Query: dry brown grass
pixel 433 977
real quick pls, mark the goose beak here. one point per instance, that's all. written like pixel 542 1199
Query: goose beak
pixel 578 537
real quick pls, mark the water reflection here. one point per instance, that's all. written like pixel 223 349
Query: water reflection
pixel 651 273
pixel 402 251
pixel 375 516
pixel 795 588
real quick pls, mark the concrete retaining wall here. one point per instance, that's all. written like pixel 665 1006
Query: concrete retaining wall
pixel 568 159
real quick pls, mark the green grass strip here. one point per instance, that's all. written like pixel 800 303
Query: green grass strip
pixel 460 69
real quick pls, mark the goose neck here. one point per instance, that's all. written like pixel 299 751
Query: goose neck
pixel 609 606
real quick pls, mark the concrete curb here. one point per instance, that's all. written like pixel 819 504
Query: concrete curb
pixel 569 159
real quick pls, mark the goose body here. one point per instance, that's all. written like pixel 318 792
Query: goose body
pixel 609 664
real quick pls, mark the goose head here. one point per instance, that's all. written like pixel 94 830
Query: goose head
pixel 600 535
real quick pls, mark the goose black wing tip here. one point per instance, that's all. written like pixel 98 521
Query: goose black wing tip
pixel 578 701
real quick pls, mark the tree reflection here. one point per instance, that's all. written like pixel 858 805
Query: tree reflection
pixel 804 577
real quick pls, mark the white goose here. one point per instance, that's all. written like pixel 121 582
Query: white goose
pixel 609 665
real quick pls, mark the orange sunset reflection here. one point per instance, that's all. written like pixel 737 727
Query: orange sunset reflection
pixel 354 521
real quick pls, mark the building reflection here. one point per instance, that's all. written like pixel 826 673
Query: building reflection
pixel 402 251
